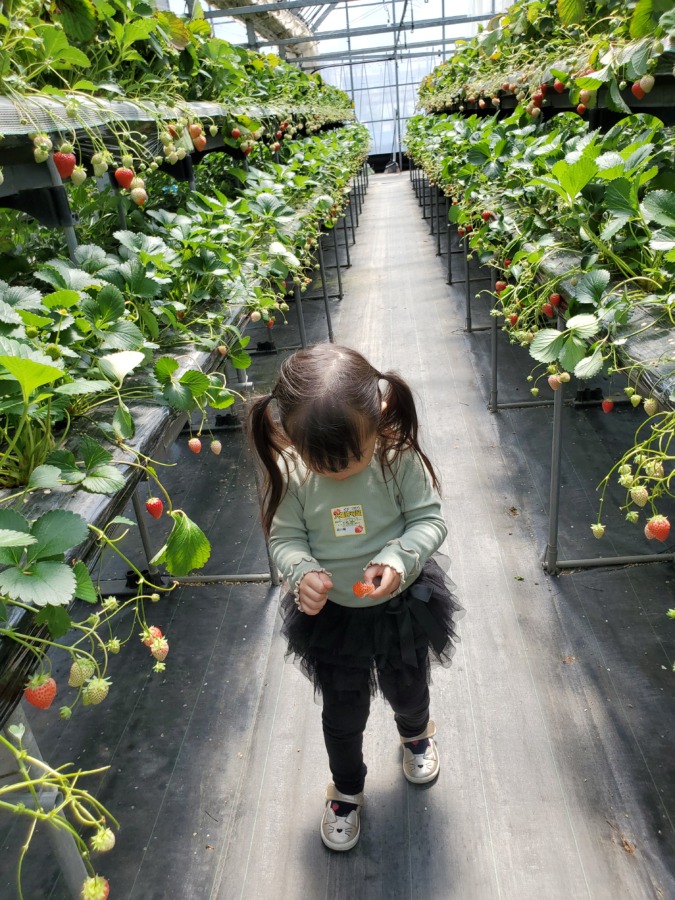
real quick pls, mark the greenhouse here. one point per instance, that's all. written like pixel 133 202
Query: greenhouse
pixel 337 366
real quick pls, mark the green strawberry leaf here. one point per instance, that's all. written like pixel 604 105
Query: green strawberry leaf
pixel 56 619
pixel 546 345
pixel 9 538
pixel 57 531
pixel 590 365
pixel 187 546
pixel 659 207
pixel 44 477
pixel 46 582
pixel 84 586
pixel 123 423
pixel 583 326
pixel 103 480
pixel 591 286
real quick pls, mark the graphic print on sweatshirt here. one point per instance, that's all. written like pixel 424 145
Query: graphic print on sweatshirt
pixel 348 520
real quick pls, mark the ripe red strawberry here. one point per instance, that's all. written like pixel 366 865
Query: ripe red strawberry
pixel 151 634
pixel 173 131
pixel 155 507
pixel 40 691
pixel 554 299
pixel 507 263
pixel 585 96
pixel 124 177
pixel 195 130
pixel 500 286
pixel 361 589
pixel 547 309
pixel 461 232
pixel 513 318
pixel 607 406
pixel 637 91
pixel 657 527
pixel 270 322
pixel 195 445
pixel 279 135
pixel 95 888
pixel 236 133
pixel 469 227
pixel 199 143
pixel 558 86
pixel 65 163
pixel 487 215
pixel 581 109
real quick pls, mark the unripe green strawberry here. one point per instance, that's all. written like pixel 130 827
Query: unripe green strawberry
pixel 81 669
pixel 636 400
pixel 647 83
pixel 113 645
pixel 102 841
pixel 95 691
pixel 137 182
pixel 213 130
pixel 79 175
pixel 95 888
pixel 127 161
pixel 216 447
pixel 651 406
pixel 639 495
pixel 40 155
pixel 598 530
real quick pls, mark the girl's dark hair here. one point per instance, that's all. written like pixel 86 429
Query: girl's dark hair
pixel 329 401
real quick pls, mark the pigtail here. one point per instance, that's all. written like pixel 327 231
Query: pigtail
pixel 399 424
pixel 269 442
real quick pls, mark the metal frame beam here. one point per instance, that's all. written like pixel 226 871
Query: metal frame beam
pixel 261 8
pixel 386 48
pixel 380 29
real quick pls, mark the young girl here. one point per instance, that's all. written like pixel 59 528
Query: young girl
pixel 351 509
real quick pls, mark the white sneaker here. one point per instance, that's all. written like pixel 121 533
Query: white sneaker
pixel 341 832
pixel 422 767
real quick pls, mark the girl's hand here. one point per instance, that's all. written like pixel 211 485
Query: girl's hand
pixel 389 580
pixel 313 592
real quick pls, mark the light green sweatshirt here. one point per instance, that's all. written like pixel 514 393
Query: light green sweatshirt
pixel 388 518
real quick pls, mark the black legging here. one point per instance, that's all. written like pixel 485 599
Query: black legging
pixel 345 714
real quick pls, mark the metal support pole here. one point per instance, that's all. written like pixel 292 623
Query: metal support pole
pixel 337 264
pixel 344 228
pixel 467 285
pixel 551 554
pixel 494 334
pixel 449 253
pixel 424 197
pixel 439 195
pixel 351 218
pixel 432 214
pixel 301 318
pixel 324 288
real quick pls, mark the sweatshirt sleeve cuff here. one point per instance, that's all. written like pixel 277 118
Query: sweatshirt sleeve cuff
pixel 299 569
pixel 403 562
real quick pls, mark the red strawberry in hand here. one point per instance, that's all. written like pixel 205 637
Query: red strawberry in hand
pixel 124 176
pixel 155 507
pixel 65 163
pixel 40 691
pixel 361 589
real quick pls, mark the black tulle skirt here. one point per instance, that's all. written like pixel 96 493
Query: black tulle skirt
pixel 341 644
